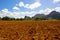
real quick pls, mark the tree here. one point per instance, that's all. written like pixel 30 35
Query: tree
pixel 21 19
pixel 6 18
pixel 0 18
pixel 39 18
pixel 27 18
pixel 12 18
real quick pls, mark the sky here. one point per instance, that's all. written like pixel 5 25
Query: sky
pixel 21 8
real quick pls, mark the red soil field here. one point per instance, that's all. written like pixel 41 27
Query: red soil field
pixel 30 30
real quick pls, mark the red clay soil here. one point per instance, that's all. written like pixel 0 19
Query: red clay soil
pixel 29 30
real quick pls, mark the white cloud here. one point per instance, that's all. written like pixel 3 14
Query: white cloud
pixel 33 6
pixel 30 6
pixel 48 10
pixel 37 0
pixel 16 8
pixel 56 1
pixel 21 4
pixel 6 12
pixel 57 8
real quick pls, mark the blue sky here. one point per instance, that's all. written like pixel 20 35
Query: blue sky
pixel 21 8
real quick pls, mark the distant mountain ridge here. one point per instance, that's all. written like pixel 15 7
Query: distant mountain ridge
pixel 39 16
pixel 53 14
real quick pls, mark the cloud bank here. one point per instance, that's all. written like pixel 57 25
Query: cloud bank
pixel 56 1
pixel 30 6
pixel 6 12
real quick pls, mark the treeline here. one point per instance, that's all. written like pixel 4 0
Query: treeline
pixel 9 18
pixel 26 18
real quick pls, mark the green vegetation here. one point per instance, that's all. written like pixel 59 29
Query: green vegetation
pixel 26 18
pixel 39 18
pixel 7 18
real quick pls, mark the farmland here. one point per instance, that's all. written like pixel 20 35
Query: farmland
pixel 30 30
